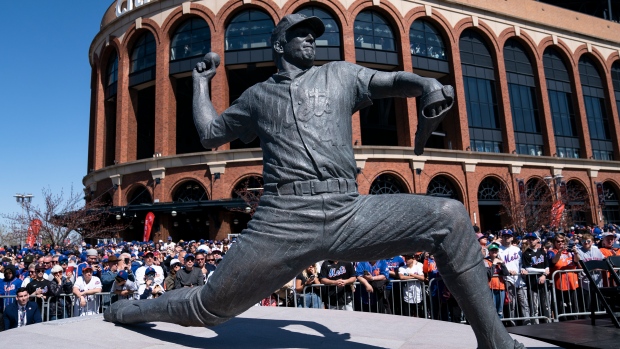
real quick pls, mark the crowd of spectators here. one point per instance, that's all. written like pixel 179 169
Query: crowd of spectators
pixel 81 279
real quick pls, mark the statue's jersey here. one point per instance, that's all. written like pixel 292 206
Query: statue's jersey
pixel 303 121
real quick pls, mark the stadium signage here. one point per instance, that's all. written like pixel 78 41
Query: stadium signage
pixel 130 5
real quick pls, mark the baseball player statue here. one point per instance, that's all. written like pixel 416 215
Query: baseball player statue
pixel 310 209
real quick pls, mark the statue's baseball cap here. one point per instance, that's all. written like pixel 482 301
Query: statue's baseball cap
pixel 294 20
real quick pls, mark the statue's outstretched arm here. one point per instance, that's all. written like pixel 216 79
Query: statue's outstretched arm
pixel 212 129
pixel 433 105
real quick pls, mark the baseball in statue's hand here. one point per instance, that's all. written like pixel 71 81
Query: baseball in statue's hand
pixel 205 70
pixel 212 57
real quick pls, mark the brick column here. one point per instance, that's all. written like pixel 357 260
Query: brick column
pixel 544 110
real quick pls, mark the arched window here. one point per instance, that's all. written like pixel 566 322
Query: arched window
pixel 252 184
pixel 523 105
pixel 488 192
pixel 144 53
pixel 537 191
pixel 111 78
pixel 490 205
pixel 190 191
pixel 428 52
pixel 442 187
pixel 328 44
pixel 111 75
pixel 480 96
pixel 372 31
pixel 594 98
pixel 191 39
pixel 611 209
pixel 425 40
pixel 249 29
pixel 578 202
pixel 139 195
pixel 561 104
pixel 615 80
pixel 387 184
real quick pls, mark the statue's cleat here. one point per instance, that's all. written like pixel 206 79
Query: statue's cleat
pixel 433 108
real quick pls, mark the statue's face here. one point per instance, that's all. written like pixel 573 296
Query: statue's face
pixel 300 46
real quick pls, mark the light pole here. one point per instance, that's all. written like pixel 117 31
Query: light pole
pixel 557 180
pixel 22 199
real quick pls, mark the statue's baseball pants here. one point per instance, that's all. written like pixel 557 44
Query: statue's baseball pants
pixel 288 233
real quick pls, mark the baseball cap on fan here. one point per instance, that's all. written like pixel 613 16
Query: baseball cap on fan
pixel 294 20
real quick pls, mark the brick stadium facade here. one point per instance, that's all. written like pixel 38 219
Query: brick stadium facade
pixel 537 99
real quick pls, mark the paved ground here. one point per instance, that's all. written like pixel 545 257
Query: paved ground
pixel 260 328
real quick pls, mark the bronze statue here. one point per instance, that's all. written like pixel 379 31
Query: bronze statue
pixel 310 209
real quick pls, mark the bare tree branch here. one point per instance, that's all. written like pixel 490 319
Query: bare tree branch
pixel 63 216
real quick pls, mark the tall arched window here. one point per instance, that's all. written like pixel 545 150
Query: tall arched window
pixel 111 78
pixel 190 191
pixel 596 114
pixel 374 43
pixel 523 101
pixel 192 38
pixel 387 184
pixel 190 42
pixel 561 103
pixel 249 29
pixel 372 31
pixel 328 44
pixel 144 53
pixel 480 96
pixel 615 79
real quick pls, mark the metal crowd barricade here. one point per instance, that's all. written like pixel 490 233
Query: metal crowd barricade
pixel 570 303
pixel 529 303
pixel 442 306
pixel 359 299
pixel 63 306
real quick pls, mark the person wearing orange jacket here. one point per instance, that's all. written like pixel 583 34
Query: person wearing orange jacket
pixel 563 257
pixel 496 272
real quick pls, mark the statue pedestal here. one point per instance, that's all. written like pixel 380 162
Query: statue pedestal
pixel 261 328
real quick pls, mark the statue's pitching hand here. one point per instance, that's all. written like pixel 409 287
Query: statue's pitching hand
pixel 207 68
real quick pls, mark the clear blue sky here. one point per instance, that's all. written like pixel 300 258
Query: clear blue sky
pixel 45 95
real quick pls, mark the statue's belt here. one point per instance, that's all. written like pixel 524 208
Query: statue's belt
pixel 308 188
